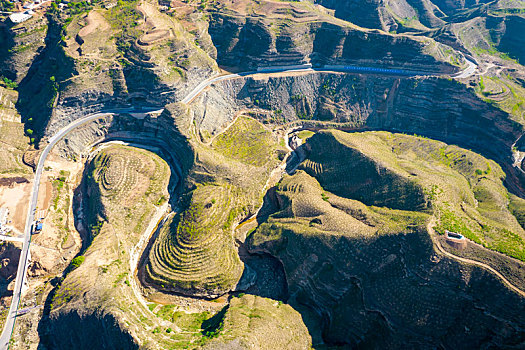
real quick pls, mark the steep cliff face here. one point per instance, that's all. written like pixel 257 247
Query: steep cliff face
pixel 75 330
pixel 248 42
pixel 20 45
pixel 437 108
pixel 506 34
pixel 370 275
pixel 39 88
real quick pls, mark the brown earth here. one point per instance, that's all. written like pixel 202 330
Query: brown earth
pixel 95 21
pixel 16 199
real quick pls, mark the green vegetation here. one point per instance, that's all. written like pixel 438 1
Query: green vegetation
pixel 247 140
pixel 504 92
pixel 494 52
pixel 124 18
pixel 8 83
pixel 77 261
pixel 6 5
pixel 76 8
pixel 195 253
pixel 305 134
pixel 258 323
pixel 464 191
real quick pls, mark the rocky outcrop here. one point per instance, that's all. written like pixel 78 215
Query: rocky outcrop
pixel 441 109
pixel 78 330
pixel 319 43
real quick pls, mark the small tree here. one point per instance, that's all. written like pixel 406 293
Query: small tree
pixel 76 262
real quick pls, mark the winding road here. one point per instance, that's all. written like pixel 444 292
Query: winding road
pixel 25 256
pixel 433 234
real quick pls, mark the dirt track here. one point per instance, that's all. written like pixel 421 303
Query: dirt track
pixel 469 261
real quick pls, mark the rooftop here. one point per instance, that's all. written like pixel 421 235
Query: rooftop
pixel 19 17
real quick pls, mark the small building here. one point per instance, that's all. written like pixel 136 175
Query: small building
pixel 456 240
pixel 37 227
pixel 19 17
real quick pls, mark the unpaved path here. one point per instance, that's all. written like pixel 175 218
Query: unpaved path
pixel 137 250
pixel 469 261
pixel 13 198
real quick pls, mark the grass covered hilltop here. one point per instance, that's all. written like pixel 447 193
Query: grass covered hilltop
pixel 351 228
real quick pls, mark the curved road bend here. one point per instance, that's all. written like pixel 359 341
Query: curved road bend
pixel 24 255
pixel 470 261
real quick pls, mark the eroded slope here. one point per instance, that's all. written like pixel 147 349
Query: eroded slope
pixel 368 275
pixel 195 253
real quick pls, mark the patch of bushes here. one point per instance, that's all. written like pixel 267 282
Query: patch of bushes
pixel 8 83
pixel 77 261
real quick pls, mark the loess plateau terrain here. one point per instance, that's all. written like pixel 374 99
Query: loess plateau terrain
pixel 260 174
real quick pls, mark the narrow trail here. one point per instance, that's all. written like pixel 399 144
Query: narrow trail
pixel 25 256
pixel 437 244
pixel 136 251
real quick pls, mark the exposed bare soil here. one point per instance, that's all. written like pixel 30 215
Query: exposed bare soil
pixel 16 199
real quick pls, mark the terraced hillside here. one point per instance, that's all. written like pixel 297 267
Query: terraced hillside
pixel 462 189
pixel 350 245
pixel 125 187
pixel 366 274
pixel 415 15
pixel 195 253
pixel 288 33
pixel 260 323
pixel 13 139
pixel 126 183
pixel 125 54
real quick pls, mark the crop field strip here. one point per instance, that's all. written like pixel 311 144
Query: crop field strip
pixel 410 297
pixel 193 249
pixel 195 252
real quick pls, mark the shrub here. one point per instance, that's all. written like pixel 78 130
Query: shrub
pixel 9 83
pixel 76 262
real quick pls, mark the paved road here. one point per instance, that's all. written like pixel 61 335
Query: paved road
pixel 467 72
pixel 24 256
